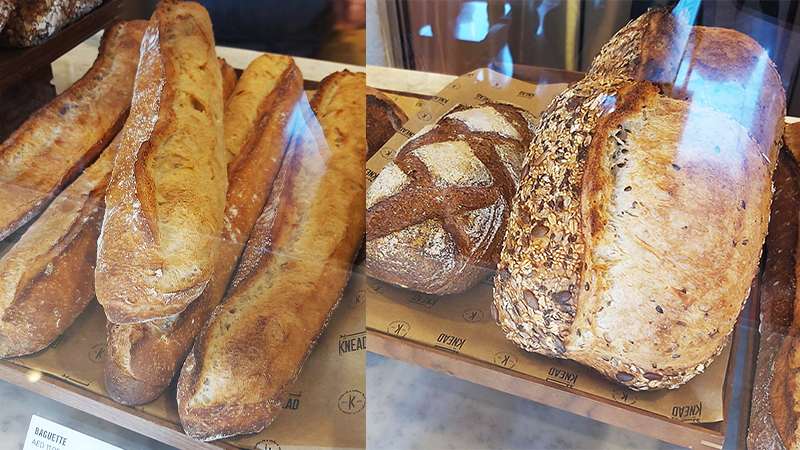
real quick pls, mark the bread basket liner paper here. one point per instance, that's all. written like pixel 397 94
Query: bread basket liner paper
pixel 462 323
pixel 326 406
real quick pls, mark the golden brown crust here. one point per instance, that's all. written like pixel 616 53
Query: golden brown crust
pixel 229 78
pixel 43 283
pixel 34 21
pixel 248 355
pixel 143 358
pixel 167 194
pixel 606 227
pixel 52 147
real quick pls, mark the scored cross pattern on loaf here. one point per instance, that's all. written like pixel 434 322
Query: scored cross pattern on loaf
pixel 436 214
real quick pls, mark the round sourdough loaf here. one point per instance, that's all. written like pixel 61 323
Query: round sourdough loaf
pixel 436 214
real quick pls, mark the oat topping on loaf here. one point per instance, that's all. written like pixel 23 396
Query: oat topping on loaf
pixel 540 266
pixel 436 213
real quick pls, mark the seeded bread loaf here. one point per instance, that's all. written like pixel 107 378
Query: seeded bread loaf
pixel 436 214
pixel 34 21
pixel 166 199
pixel 384 118
pixel 143 358
pixel 290 277
pixel 52 147
pixel 637 229
pixel 6 7
pixel 43 283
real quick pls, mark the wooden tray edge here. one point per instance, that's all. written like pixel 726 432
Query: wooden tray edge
pixel 531 388
pixel 104 408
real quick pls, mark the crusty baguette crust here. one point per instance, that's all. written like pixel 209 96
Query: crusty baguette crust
pixel 34 21
pixel 291 276
pixel 166 199
pixel 143 358
pixel 52 147
pixel 229 78
pixel 43 283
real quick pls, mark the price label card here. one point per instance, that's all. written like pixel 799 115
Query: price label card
pixel 46 435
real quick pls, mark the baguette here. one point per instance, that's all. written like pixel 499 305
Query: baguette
pixel 43 283
pixel 165 203
pixel 291 275
pixel 143 358
pixel 52 147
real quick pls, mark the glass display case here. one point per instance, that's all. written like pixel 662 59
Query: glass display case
pixel 575 292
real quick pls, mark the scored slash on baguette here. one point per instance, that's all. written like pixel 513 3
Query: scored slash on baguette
pixel 52 147
pixel 143 358
pixel 291 276
pixel 166 199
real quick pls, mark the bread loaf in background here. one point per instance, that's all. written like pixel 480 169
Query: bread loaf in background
pixel 165 203
pixel 32 22
pixel 6 7
pixel 773 420
pixel 436 214
pixel 637 231
pixel 384 118
pixel 52 147
pixel 143 358
pixel 229 78
pixel 43 282
pixel 291 275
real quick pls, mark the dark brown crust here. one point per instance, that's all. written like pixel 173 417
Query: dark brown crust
pixel 771 413
pixel 154 355
pixel 29 192
pixel 34 21
pixel 649 48
pixel 384 118
pixel 424 201
pixel 267 346
pixel 6 7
